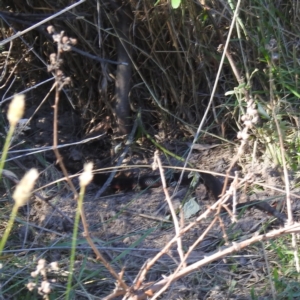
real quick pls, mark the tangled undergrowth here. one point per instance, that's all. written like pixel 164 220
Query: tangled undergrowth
pixel 113 81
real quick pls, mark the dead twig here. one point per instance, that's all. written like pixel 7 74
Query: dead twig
pixel 143 293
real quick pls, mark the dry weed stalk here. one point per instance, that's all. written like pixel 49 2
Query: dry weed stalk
pixel 64 43
pixel 157 164
pixel 146 291
pixel 142 290
pixel 18 34
pixel 170 90
pixel 283 153
pixel 249 120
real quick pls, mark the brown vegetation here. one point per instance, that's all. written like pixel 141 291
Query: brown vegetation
pixel 118 80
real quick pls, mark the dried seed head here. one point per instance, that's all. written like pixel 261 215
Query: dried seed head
pixel 50 29
pixel 45 287
pixel 16 109
pixel 65 39
pixel 24 187
pixel 73 41
pixel 86 177
pixel 31 286
pixel 52 58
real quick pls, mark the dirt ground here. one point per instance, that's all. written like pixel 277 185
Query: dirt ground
pixel 131 226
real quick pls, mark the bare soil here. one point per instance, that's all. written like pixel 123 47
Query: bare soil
pixel 132 226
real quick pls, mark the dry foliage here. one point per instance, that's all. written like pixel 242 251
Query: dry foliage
pixel 180 71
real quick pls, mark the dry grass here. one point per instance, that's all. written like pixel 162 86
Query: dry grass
pixel 176 55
